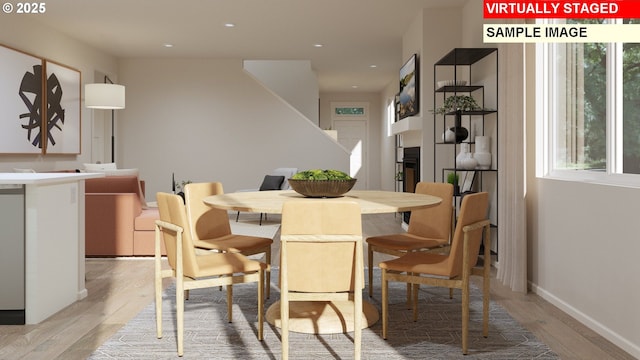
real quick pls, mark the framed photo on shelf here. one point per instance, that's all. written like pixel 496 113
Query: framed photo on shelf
pixel 467 178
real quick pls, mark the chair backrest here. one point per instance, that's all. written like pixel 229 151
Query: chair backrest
pixel 172 210
pixel 287 173
pixel 473 209
pixel 205 221
pixel 319 239
pixel 435 221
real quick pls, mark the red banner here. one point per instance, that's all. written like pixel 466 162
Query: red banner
pixel 563 9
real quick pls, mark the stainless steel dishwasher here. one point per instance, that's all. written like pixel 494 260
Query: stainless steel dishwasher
pixel 12 255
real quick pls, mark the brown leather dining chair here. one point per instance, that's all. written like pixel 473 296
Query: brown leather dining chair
pixel 429 228
pixel 194 271
pixel 321 259
pixel 211 230
pixel 451 270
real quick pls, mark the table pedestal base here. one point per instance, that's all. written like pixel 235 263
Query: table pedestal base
pixel 322 317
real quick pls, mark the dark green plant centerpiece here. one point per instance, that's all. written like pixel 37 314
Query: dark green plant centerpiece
pixel 321 183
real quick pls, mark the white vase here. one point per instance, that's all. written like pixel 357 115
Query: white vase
pixel 462 155
pixel 449 136
pixel 483 144
pixel 483 152
pixel 484 160
pixel 469 162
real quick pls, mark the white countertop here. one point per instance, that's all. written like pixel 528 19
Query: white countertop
pixel 44 178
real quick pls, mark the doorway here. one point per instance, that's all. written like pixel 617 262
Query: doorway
pixel 350 120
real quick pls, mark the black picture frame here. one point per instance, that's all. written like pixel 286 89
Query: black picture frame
pixel 467 177
pixel 409 97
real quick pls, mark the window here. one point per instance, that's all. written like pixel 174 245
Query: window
pixel 356 111
pixel 590 102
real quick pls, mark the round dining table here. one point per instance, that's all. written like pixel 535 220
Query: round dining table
pixel 322 317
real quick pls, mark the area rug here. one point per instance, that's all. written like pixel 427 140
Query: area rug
pixel 436 334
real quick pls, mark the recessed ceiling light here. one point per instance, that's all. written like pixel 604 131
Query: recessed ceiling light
pixel 373 66
pixel 318 45
pixel 229 25
pixel 168 45
pixel 354 86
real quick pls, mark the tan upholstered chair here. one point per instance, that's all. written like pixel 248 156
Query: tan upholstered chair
pixel 211 230
pixel 193 271
pixel 451 270
pixel 429 228
pixel 321 259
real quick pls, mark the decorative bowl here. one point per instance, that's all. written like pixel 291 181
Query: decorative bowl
pixel 322 188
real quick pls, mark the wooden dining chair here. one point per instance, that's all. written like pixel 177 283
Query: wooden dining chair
pixel 451 270
pixel 429 228
pixel 321 259
pixel 194 271
pixel 211 230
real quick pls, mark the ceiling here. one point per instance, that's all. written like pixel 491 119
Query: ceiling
pixel 356 34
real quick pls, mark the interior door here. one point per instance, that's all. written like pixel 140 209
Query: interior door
pixel 352 134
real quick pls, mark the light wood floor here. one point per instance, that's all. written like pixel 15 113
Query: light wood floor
pixel 120 288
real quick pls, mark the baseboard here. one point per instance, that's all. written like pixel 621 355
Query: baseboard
pixel 82 294
pixel 621 342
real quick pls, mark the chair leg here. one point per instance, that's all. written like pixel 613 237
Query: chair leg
pixel 465 318
pixel 370 262
pixel 385 303
pixel 357 325
pixel 268 272
pixel 284 325
pixel 415 301
pixel 158 293
pixel 486 282
pixel 180 316
pixel 409 297
pixel 261 307
pixel 230 302
pixel 485 307
pixel 237 216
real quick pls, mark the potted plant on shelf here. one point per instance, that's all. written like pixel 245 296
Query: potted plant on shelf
pixel 458 102
pixel 452 178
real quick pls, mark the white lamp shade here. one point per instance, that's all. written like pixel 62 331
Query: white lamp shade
pixel 104 96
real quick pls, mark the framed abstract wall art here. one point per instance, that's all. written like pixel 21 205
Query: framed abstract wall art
pixel 62 120
pixel 21 102
pixel 39 105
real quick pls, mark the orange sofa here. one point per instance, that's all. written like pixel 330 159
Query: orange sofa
pixel 117 222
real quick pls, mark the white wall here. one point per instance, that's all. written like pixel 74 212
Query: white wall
pixel 209 120
pixel 20 33
pixel 584 254
pixel 293 80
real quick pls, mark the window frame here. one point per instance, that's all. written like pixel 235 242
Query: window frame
pixel 546 120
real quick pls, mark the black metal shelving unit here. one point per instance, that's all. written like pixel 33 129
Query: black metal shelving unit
pixel 460 64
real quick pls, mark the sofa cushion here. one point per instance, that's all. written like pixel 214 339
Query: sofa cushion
pixel 113 184
pixel 118 172
pixel 95 167
pixel 146 220
pixel 117 184
pixel 271 182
